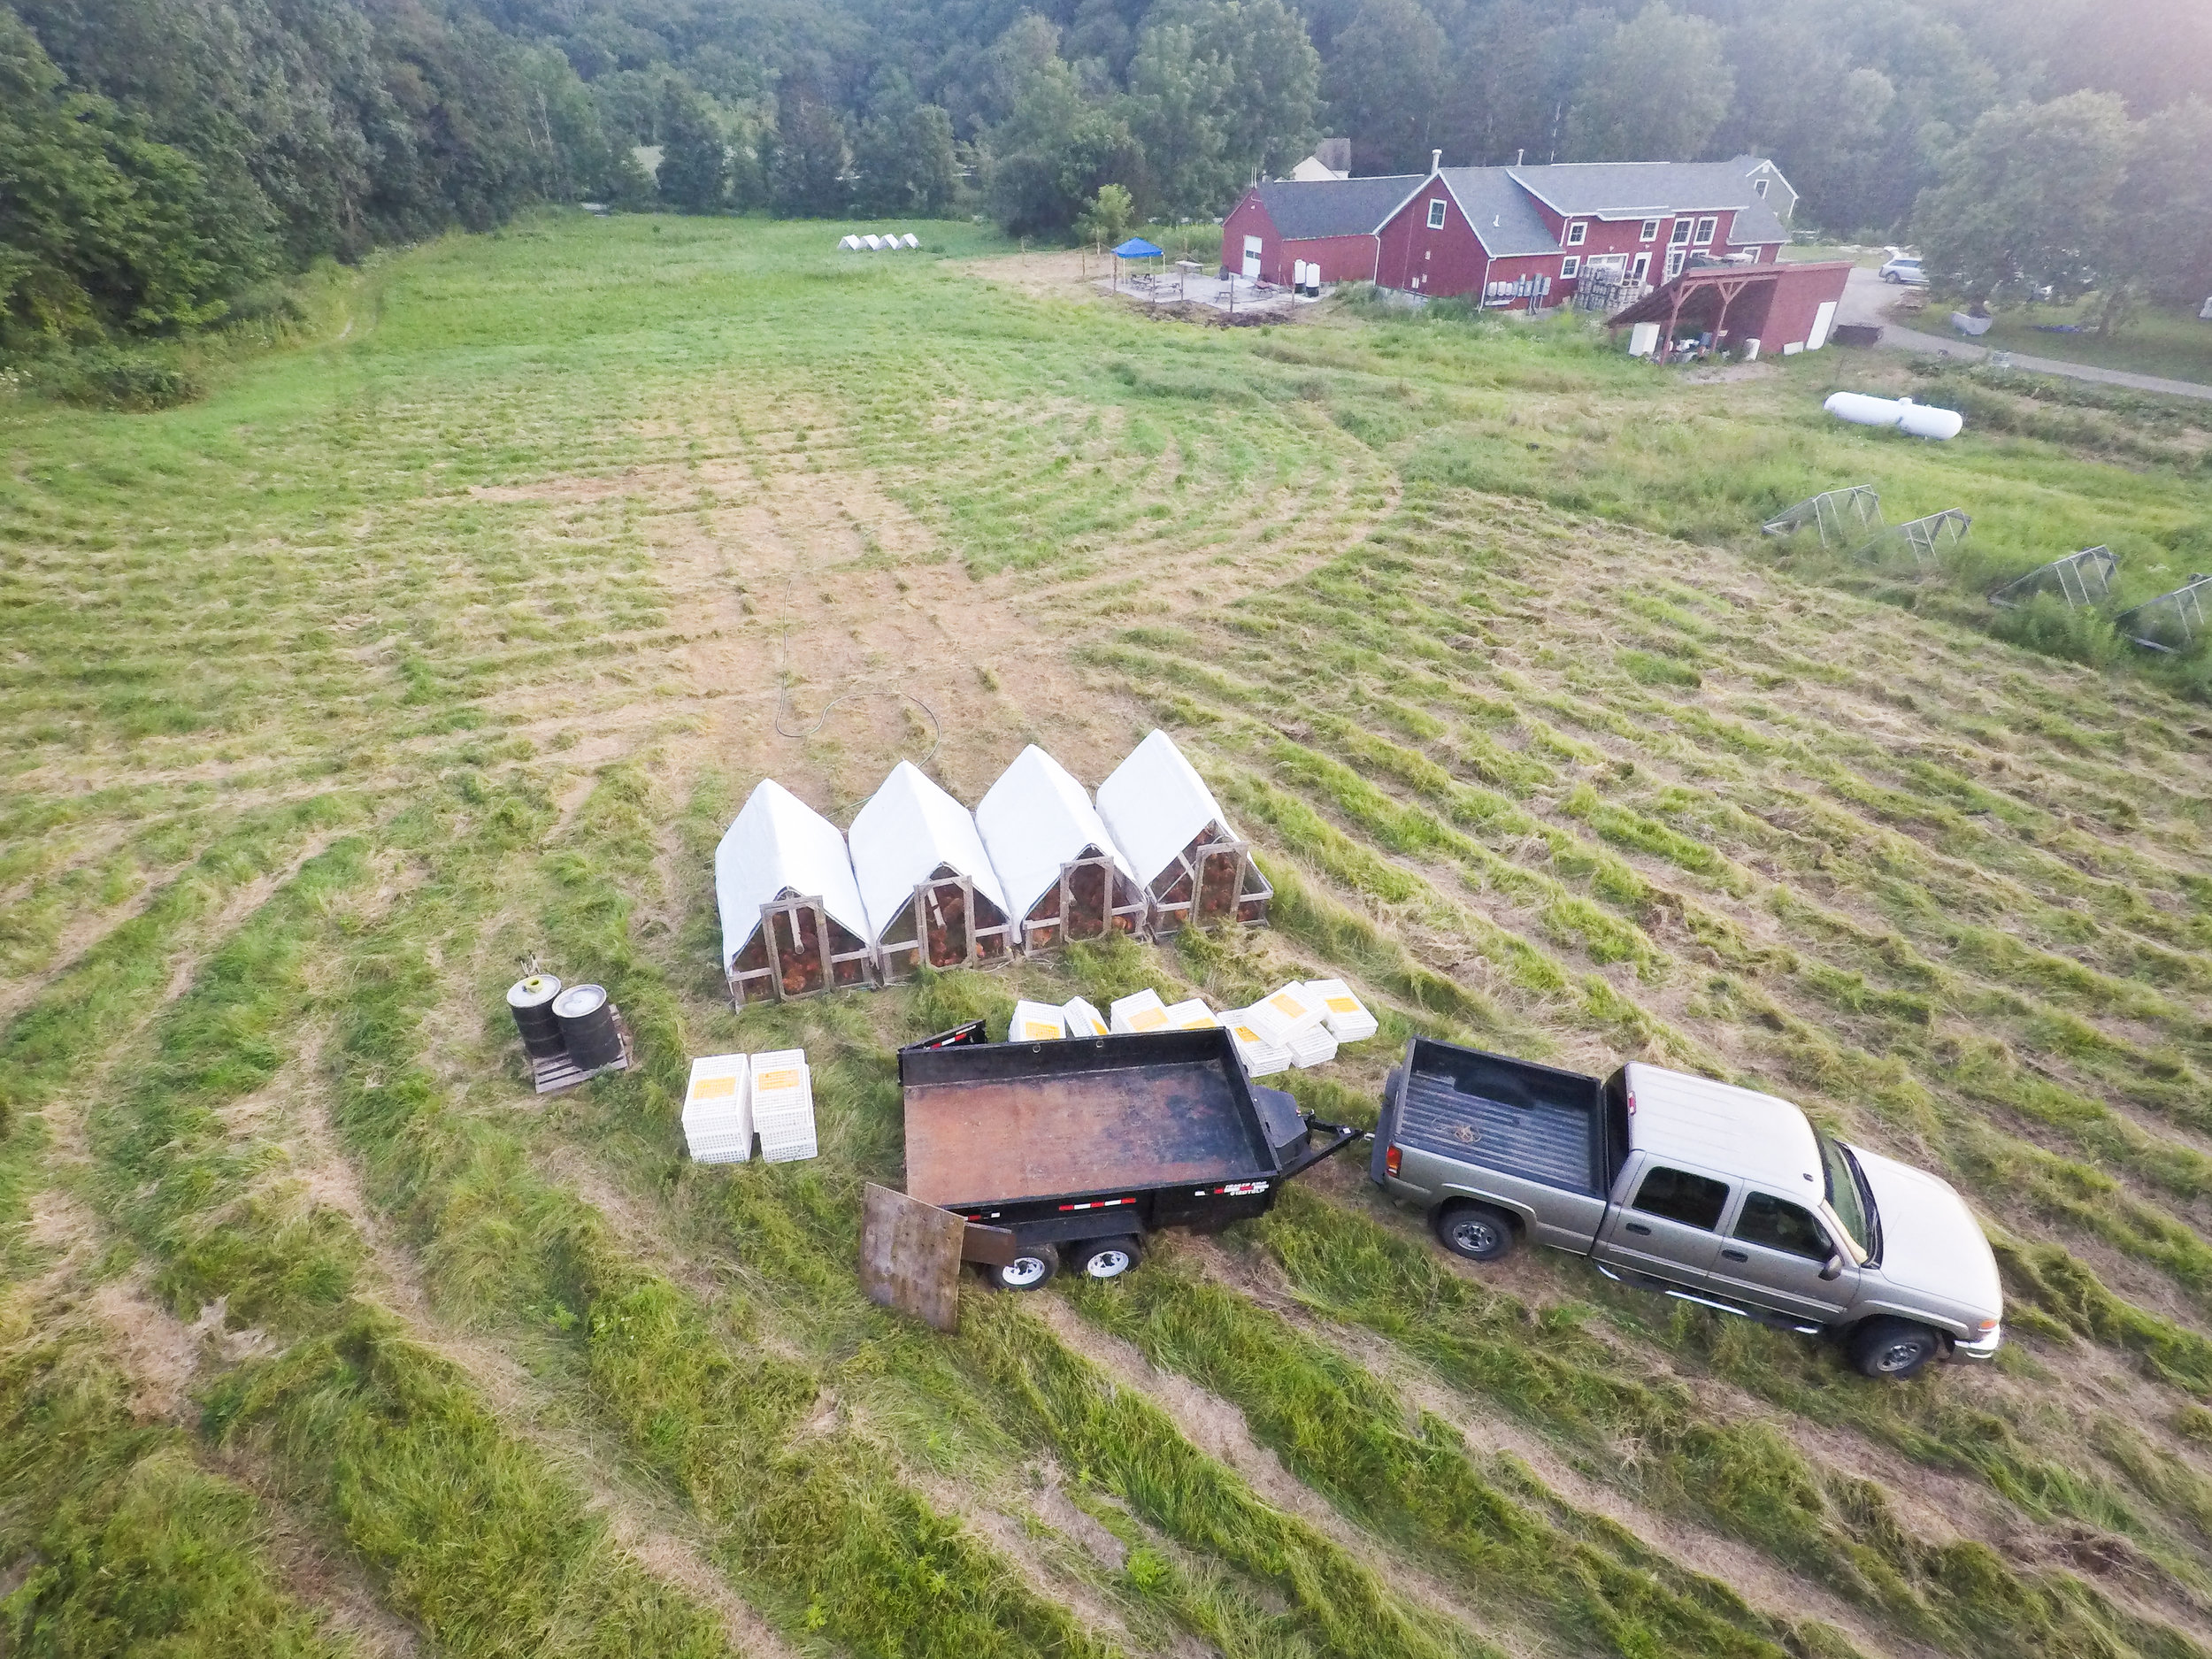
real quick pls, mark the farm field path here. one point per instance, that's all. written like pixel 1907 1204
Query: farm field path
pixel 453 644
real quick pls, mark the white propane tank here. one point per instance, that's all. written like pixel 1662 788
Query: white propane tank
pixel 1916 419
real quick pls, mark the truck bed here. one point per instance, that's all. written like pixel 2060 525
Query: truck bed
pixel 1012 1122
pixel 1518 1118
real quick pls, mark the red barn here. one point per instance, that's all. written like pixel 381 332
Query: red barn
pixel 1328 222
pixel 1511 236
pixel 1785 307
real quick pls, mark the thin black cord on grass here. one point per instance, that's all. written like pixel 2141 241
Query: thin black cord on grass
pixel 783 684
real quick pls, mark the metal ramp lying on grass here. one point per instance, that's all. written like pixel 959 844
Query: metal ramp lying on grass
pixel 1843 517
pixel 1926 537
pixel 2172 622
pixel 2082 579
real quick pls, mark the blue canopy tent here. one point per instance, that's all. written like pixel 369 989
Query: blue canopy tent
pixel 1136 247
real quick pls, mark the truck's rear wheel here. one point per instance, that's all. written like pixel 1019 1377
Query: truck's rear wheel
pixel 1029 1270
pixel 1108 1258
pixel 1894 1349
pixel 1477 1231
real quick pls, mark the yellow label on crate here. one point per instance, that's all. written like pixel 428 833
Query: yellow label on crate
pixel 1344 1005
pixel 1145 1018
pixel 1037 1029
pixel 713 1087
pixel 787 1078
pixel 1284 1002
pixel 1245 1034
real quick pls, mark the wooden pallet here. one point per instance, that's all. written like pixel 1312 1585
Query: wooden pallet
pixel 557 1072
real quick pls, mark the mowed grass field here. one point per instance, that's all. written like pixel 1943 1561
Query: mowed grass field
pixel 454 640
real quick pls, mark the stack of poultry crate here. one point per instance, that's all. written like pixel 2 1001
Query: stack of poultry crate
pixel 1261 1057
pixel 1342 1010
pixel 783 1105
pixel 1036 1022
pixel 718 1110
pixel 1295 1019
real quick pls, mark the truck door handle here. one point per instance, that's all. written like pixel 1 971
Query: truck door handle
pixel 1736 1255
pixel 1637 1226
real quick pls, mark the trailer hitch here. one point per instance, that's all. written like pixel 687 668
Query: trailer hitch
pixel 1344 1133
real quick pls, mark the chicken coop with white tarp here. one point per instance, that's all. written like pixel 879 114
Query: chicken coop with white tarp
pixel 1193 866
pixel 1063 876
pixel 793 922
pixel 925 879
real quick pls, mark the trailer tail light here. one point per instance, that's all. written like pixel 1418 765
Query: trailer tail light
pixel 1390 1162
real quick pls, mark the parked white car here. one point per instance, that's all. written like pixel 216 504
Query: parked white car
pixel 1905 270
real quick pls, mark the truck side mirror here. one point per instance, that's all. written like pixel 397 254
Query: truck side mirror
pixel 1832 1268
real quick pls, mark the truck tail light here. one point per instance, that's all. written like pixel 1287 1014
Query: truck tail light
pixel 1989 1324
pixel 1390 1162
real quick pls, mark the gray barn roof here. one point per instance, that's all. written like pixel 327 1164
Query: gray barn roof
pixel 1334 207
pixel 1624 189
pixel 1503 217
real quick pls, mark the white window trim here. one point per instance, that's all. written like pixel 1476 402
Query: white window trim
pixel 1436 212
pixel 1578 233
pixel 1641 268
pixel 1760 187
pixel 1650 231
pixel 1571 267
pixel 1705 228
pixel 1679 237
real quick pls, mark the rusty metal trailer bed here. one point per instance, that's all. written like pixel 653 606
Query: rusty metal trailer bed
pixel 1078 1149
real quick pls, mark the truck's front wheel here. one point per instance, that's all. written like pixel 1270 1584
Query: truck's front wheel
pixel 1029 1270
pixel 1477 1231
pixel 1894 1349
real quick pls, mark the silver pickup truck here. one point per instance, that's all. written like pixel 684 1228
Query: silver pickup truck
pixel 1715 1194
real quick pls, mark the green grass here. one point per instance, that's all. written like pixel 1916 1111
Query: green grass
pixel 407 656
pixel 2165 340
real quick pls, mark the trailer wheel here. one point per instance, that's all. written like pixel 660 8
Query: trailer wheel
pixel 1477 1231
pixel 1108 1258
pixel 1029 1270
pixel 1892 1350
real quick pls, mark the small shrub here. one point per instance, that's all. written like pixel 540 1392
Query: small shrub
pixel 115 377
pixel 2048 624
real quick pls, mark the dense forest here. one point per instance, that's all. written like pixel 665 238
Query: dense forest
pixel 161 161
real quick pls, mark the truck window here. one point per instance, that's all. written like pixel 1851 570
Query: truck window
pixel 1779 1225
pixel 1695 1201
pixel 1845 1196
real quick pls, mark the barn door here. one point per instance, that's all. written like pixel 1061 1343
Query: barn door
pixel 1251 259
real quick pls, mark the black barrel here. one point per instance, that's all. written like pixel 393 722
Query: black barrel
pixel 588 1024
pixel 531 1001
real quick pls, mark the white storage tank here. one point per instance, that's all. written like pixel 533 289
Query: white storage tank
pixel 1918 421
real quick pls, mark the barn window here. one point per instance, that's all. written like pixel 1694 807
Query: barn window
pixel 1436 214
pixel 1760 185
pixel 1570 266
pixel 1650 230
pixel 1705 231
pixel 1575 233
pixel 1681 237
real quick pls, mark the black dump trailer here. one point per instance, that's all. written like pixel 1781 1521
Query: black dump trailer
pixel 1079 1149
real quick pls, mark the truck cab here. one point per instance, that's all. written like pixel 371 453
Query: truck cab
pixel 1697 1189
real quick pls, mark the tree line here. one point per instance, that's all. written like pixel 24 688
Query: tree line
pixel 161 161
